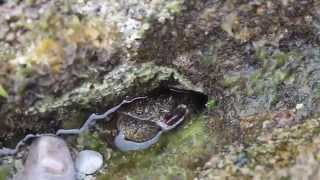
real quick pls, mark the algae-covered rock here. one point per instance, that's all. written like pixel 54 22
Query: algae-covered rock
pixel 257 61
pixel 281 153
pixel 125 80
pixel 175 156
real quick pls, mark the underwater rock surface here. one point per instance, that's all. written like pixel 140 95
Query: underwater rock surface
pixel 257 62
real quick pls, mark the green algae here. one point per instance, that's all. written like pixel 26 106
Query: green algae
pixel 211 104
pixel 3 173
pixel 3 92
pixel 231 81
pixel 174 7
pixel 91 141
pixel 176 155
pixel 276 69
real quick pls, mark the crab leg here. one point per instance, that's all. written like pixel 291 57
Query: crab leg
pixel 7 151
pixel 94 117
pixel 126 145
pixel 89 122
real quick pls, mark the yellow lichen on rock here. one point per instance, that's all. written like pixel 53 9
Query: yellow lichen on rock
pixel 48 52
pixel 94 32
pixel 51 50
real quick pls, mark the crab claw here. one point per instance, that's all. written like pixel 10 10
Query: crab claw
pixel 174 118
pixel 49 159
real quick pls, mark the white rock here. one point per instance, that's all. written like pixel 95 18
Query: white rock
pixel 299 106
pixel 88 162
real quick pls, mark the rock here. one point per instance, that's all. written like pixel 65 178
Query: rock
pixel 49 159
pixel 3 31
pixel 253 57
pixel 88 162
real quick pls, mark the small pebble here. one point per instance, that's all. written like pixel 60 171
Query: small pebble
pixel 88 162
pixel 299 106
pixel 10 36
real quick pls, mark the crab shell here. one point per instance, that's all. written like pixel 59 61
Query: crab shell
pixel 169 122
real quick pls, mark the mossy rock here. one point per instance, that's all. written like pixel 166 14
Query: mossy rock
pixel 176 155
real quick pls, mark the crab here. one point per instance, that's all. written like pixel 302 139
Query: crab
pixel 142 124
